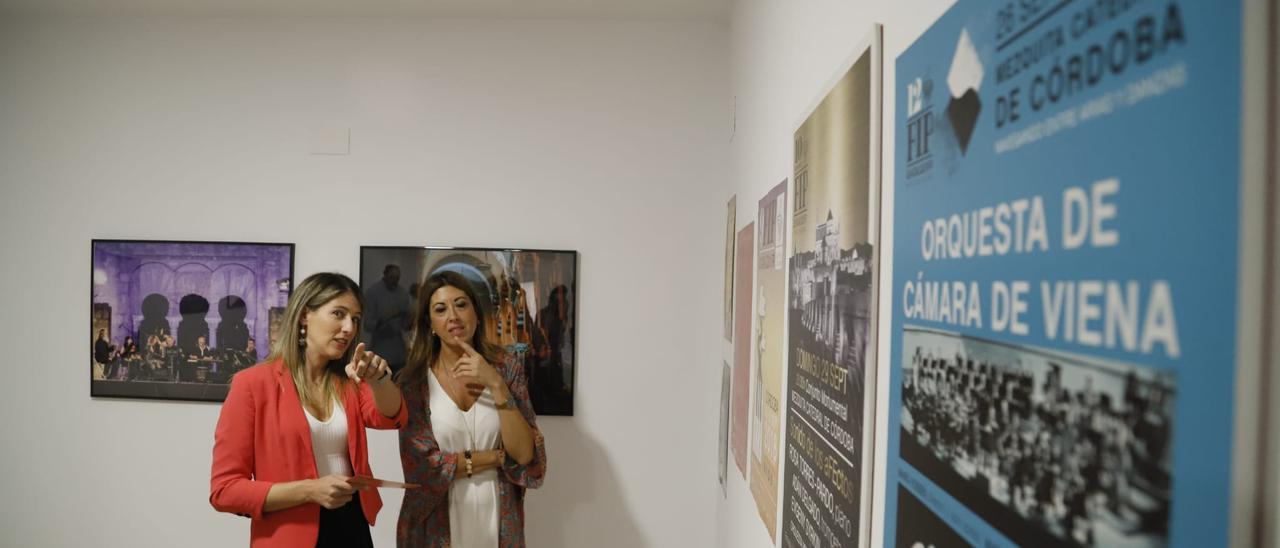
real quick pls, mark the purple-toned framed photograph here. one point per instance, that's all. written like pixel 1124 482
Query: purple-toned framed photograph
pixel 530 299
pixel 175 320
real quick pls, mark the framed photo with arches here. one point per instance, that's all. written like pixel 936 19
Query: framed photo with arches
pixel 176 319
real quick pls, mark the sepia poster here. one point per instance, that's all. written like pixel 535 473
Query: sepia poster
pixel 766 383
pixel 1063 357
pixel 742 345
pixel 832 309
pixel 731 220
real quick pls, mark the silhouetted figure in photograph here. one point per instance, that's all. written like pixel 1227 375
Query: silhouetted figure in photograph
pixel 387 317
pixel 102 352
pixel 547 385
pixel 155 321
pixel 233 333
pixel 193 308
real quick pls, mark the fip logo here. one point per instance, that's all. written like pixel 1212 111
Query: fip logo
pixel 919 126
pixel 960 113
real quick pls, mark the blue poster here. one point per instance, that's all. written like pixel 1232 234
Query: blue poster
pixel 1064 293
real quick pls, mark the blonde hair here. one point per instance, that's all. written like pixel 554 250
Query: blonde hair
pixel 311 294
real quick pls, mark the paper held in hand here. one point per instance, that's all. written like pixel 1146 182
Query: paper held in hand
pixel 366 482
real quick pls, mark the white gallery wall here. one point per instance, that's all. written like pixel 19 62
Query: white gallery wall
pixel 607 137
pixel 783 56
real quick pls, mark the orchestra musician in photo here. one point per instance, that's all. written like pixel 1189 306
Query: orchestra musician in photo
pixel 160 360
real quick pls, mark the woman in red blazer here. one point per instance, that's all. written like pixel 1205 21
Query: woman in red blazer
pixel 292 431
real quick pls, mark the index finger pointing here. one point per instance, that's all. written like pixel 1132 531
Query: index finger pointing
pixel 358 354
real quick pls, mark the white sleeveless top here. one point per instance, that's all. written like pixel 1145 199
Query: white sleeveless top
pixel 329 442
pixel 473 501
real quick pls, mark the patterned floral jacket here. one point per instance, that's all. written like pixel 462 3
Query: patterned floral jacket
pixel 424 514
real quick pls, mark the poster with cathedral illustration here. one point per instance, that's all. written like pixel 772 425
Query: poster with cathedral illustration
pixel 831 300
pixel 766 383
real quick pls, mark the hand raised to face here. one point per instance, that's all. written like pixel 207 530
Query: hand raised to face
pixel 475 370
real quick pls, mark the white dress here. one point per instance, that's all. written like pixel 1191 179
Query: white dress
pixel 473 502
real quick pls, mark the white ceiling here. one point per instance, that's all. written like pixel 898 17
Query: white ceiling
pixel 717 10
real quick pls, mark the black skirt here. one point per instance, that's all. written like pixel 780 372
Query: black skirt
pixel 344 527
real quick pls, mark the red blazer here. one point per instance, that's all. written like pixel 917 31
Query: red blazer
pixel 263 438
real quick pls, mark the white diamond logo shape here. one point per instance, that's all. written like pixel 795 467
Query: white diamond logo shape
pixel 966 68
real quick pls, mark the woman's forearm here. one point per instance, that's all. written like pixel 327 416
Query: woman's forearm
pixel 517 436
pixel 287 495
pixel 386 396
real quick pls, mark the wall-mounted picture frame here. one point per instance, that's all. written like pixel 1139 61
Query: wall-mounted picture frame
pixel 529 296
pixel 174 320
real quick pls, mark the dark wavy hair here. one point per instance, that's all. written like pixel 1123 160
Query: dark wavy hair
pixel 426 347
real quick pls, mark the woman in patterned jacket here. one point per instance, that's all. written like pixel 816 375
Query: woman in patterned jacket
pixel 471 440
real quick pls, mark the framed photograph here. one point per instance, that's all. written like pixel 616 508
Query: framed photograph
pixel 529 297
pixel 175 320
